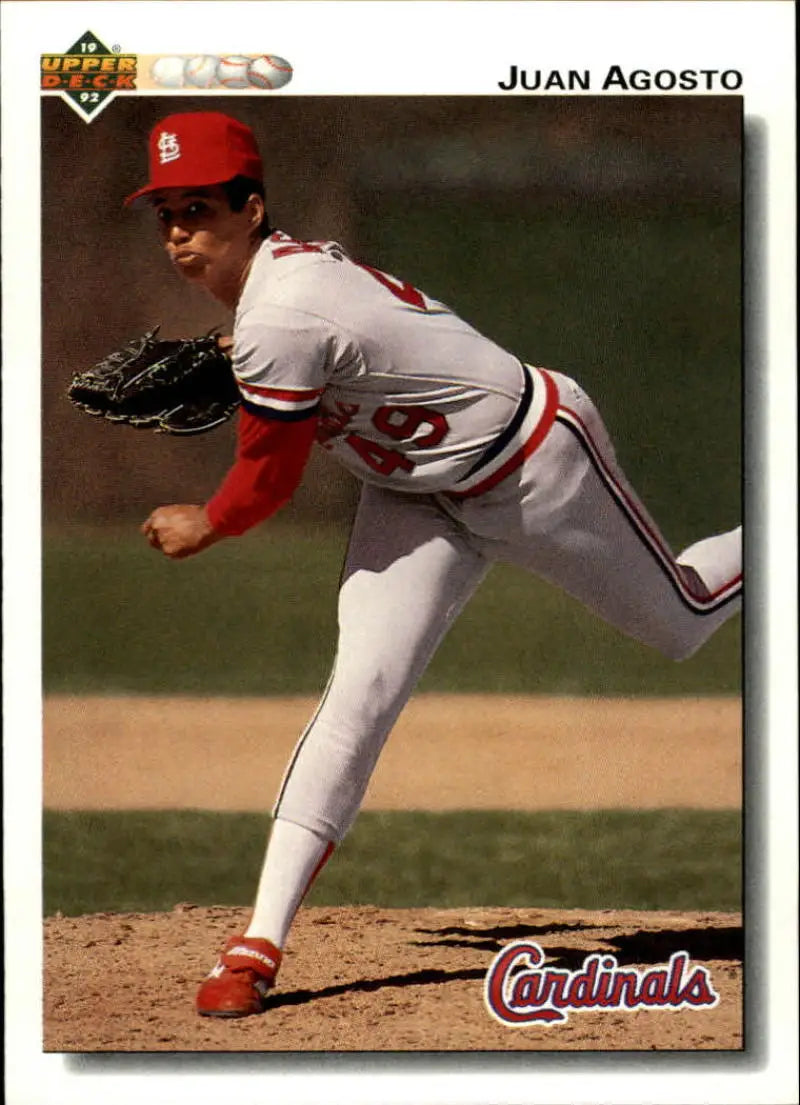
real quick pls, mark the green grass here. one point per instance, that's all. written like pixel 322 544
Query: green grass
pixel 642 307
pixel 665 859
pixel 258 616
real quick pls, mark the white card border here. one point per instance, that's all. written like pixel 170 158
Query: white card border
pixel 348 55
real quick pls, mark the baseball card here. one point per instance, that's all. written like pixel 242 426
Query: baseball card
pixel 399 480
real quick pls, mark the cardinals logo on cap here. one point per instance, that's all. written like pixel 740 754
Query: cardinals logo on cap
pixel 195 149
pixel 168 147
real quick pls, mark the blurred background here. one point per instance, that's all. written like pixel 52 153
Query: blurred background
pixel 597 236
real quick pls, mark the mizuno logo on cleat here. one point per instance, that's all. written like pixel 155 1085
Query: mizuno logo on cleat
pixel 251 953
pixel 217 970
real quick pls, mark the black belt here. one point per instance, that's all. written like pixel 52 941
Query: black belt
pixel 500 442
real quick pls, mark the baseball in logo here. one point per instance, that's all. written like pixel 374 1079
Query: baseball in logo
pixel 232 71
pixel 201 71
pixel 168 72
pixel 236 72
pixel 269 71
pixel 520 990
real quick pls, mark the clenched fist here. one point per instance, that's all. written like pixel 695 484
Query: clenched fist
pixel 180 531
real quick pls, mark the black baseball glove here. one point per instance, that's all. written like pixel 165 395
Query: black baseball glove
pixel 175 387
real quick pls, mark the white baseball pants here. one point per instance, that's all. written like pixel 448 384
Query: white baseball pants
pixel 567 514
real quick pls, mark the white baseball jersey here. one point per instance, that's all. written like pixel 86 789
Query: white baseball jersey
pixel 410 396
pixel 413 399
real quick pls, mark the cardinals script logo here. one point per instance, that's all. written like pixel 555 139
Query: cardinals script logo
pixel 521 991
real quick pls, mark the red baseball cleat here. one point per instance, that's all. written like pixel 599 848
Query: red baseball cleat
pixel 237 984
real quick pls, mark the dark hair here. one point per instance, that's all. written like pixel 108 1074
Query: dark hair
pixel 239 190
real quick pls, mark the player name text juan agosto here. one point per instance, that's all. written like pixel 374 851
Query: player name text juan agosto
pixel 617 79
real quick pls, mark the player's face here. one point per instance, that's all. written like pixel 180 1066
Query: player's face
pixel 207 242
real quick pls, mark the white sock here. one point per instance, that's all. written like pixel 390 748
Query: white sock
pixel 717 560
pixel 293 856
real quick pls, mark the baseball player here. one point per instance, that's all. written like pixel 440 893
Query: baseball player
pixel 468 456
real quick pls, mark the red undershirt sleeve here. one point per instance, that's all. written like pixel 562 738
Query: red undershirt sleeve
pixel 270 458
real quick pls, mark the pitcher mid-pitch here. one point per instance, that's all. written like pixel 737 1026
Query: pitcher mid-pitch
pixel 468 456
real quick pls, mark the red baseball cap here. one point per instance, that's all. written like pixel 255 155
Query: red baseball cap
pixel 196 148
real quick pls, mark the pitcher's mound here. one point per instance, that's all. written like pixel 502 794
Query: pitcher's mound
pixel 370 979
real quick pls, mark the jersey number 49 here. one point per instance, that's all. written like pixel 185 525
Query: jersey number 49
pixel 401 424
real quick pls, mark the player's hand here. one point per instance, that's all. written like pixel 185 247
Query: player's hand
pixel 180 531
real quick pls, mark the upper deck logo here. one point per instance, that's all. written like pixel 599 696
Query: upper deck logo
pixel 88 74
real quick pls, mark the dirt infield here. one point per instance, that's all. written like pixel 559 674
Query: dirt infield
pixel 372 979
pixel 446 752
